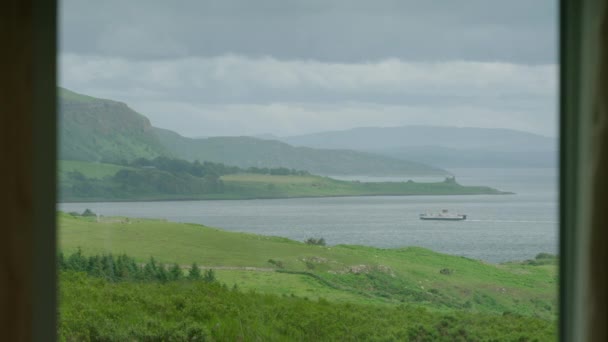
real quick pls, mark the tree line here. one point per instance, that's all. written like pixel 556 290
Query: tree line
pixel 161 175
pixel 125 268
pixel 207 168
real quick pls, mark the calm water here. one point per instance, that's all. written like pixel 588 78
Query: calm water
pixel 499 228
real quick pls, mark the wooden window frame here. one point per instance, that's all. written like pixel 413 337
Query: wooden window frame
pixel 28 282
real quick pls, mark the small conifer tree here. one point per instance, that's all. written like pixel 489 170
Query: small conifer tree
pixel 209 276
pixel 175 272
pixel 195 272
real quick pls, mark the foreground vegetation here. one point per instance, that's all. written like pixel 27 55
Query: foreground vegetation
pixel 98 310
pixel 170 179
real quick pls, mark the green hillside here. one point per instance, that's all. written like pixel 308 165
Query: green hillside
pixel 93 129
pixel 342 273
pixel 248 151
pixel 174 179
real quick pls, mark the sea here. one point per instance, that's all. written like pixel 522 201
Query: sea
pixel 499 228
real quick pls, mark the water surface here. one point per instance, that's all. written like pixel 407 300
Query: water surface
pixel 499 228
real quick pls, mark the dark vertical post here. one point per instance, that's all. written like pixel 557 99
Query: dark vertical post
pixel 44 168
pixel 570 15
pixel 598 259
pixel 27 170
pixel 15 174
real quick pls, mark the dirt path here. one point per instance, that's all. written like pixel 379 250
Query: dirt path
pixel 232 268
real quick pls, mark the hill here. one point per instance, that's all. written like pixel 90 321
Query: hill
pixel 93 129
pixel 442 146
pixel 473 158
pixel 248 152
pixel 341 273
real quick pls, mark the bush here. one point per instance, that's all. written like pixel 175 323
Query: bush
pixel 277 263
pixel 88 212
pixel 545 256
pixel 446 271
pixel 316 242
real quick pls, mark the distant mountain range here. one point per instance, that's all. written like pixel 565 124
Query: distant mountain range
pixel 442 146
pixel 93 129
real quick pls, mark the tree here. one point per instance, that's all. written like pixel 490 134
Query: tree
pixel 149 271
pixel 195 272
pixel 175 272
pixel 88 212
pixel 209 276
pixel 161 273
pixel 95 266
pixel 77 262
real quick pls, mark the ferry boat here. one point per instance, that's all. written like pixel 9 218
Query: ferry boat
pixel 444 215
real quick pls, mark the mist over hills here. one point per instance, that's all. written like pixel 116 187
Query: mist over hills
pixel 93 129
pixel 249 151
pixel 442 146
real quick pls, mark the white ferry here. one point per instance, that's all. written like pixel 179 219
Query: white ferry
pixel 444 215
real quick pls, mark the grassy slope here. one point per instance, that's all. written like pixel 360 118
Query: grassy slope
pixel 387 277
pixel 97 129
pixel 89 169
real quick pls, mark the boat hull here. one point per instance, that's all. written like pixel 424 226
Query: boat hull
pixel 444 218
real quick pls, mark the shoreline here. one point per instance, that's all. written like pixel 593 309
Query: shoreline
pixel 128 219
pixel 105 200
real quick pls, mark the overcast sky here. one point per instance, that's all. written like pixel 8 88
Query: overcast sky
pixel 228 67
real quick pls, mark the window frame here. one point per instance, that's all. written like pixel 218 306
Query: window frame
pixel 44 120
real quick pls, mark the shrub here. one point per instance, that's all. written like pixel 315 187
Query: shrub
pixel 316 242
pixel 88 212
pixel 446 271
pixel 545 256
pixel 276 263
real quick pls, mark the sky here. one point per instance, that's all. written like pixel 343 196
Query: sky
pixel 287 67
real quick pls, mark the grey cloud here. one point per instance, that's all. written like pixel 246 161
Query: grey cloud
pixel 231 67
pixel 237 79
pixel 292 119
pixel 519 31
pixel 240 93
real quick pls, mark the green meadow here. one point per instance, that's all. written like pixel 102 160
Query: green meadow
pixel 339 274
pixel 256 185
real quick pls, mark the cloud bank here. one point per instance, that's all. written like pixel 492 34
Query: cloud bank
pixel 234 95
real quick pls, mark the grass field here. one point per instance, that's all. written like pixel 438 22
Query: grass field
pixel 354 274
pixel 88 169
pixel 302 186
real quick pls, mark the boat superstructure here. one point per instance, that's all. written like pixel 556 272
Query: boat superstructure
pixel 444 215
